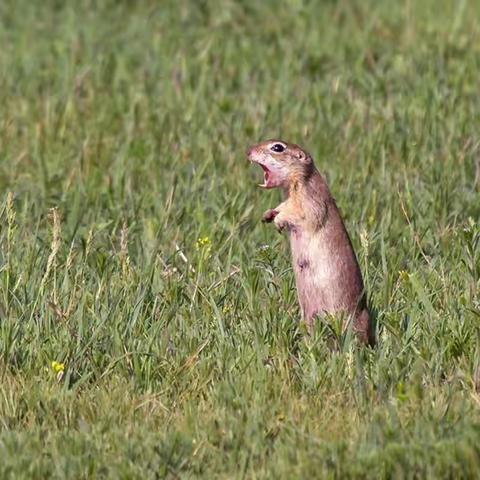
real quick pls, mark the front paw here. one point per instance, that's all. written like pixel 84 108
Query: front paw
pixel 269 216
pixel 281 224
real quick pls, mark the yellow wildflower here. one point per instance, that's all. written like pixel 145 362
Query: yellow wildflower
pixel 204 244
pixel 57 367
pixel 403 275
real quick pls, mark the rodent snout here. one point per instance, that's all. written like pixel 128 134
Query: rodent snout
pixel 250 151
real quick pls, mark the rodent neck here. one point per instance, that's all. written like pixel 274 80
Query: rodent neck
pixel 307 187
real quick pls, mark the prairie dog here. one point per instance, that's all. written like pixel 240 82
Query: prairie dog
pixel 327 273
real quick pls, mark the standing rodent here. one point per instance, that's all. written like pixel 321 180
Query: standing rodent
pixel 327 273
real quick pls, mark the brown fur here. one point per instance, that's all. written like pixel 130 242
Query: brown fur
pixel 327 273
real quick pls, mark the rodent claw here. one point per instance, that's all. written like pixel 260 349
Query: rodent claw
pixel 269 216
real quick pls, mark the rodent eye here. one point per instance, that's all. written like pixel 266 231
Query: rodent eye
pixel 277 147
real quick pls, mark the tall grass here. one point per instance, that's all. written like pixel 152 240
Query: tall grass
pixel 148 321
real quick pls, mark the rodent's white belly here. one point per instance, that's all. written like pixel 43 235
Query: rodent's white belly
pixel 315 256
pixel 317 273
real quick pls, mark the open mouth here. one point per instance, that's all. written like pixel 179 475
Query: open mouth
pixel 271 176
pixel 266 177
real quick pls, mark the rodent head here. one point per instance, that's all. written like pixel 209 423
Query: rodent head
pixel 283 163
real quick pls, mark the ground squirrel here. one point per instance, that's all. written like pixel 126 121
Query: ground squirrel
pixel 327 273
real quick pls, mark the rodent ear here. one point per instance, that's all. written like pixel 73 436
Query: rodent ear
pixel 302 156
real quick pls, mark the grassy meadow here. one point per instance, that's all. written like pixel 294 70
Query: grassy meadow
pixel 148 320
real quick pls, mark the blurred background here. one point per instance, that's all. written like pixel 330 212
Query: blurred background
pixel 149 321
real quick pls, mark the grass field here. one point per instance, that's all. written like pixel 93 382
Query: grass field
pixel 148 320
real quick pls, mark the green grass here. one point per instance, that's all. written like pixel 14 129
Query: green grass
pixel 123 127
